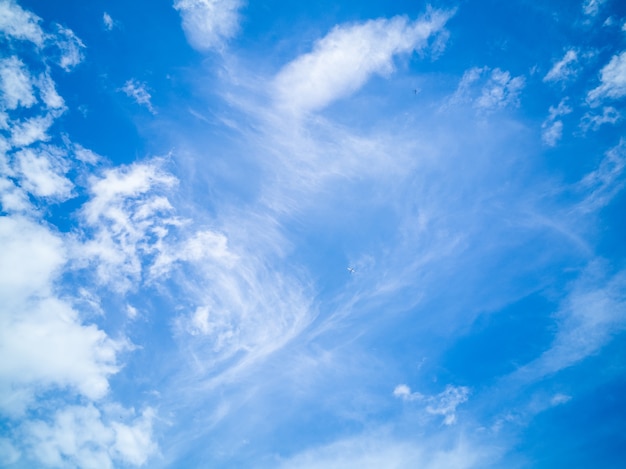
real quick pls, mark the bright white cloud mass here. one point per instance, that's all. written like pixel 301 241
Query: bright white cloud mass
pixel 303 235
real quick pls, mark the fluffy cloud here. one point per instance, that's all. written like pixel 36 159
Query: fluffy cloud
pixel 43 341
pixel 20 24
pixel 209 23
pixel 612 81
pixel 345 58
pixel 42 173
pixel 15 84
pixel 32 130
pixel 125 219
pixel 47 343
pixel 82 436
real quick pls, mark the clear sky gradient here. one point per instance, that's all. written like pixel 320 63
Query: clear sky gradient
pixel 271 234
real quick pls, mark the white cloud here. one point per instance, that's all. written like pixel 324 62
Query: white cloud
pixel 48 93
pixel 139 93
pixel 43 344
pixel 559 399
pixel 209 23
pixel 15 84
pixel 444 403
pixel 488 90
pixel 592 7
pixel 500 91
pixel 42 173
pixel 613 81
pixel 9 454
pixel 552 132
pixel 609 115
pixel 86 155
pixel 383 451
pixel 125 221
pixel 31 130
pixel 564 68
pixel 589 317
pixel 561 110
pixel 71 48
pixel 552 129
pixel 12 197
pixel 601 185
pixel 345 58
pixel 131 312
pixel 107 21
pixel 201 246
pixel 31 257
pixel 245 308
pixel 20 24
pixel 81 436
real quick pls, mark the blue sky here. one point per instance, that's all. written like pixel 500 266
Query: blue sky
pixel 185 184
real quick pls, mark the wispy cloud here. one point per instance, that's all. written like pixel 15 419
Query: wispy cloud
pixel 383 450
pixel 138 91
pixel 593 312
pixel 71 48
pixel 604 182
pixel 107 21
pixel 208 24
pixel 343 60
pixel 444 403
pixel 488 90
pixel 565 68
pixel 609 115
pixel 592 7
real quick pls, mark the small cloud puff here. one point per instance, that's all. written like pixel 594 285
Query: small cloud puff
pixel 136 90
pixel 552 127
pixel 108 21
pixel 612 81
pixel 559 399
